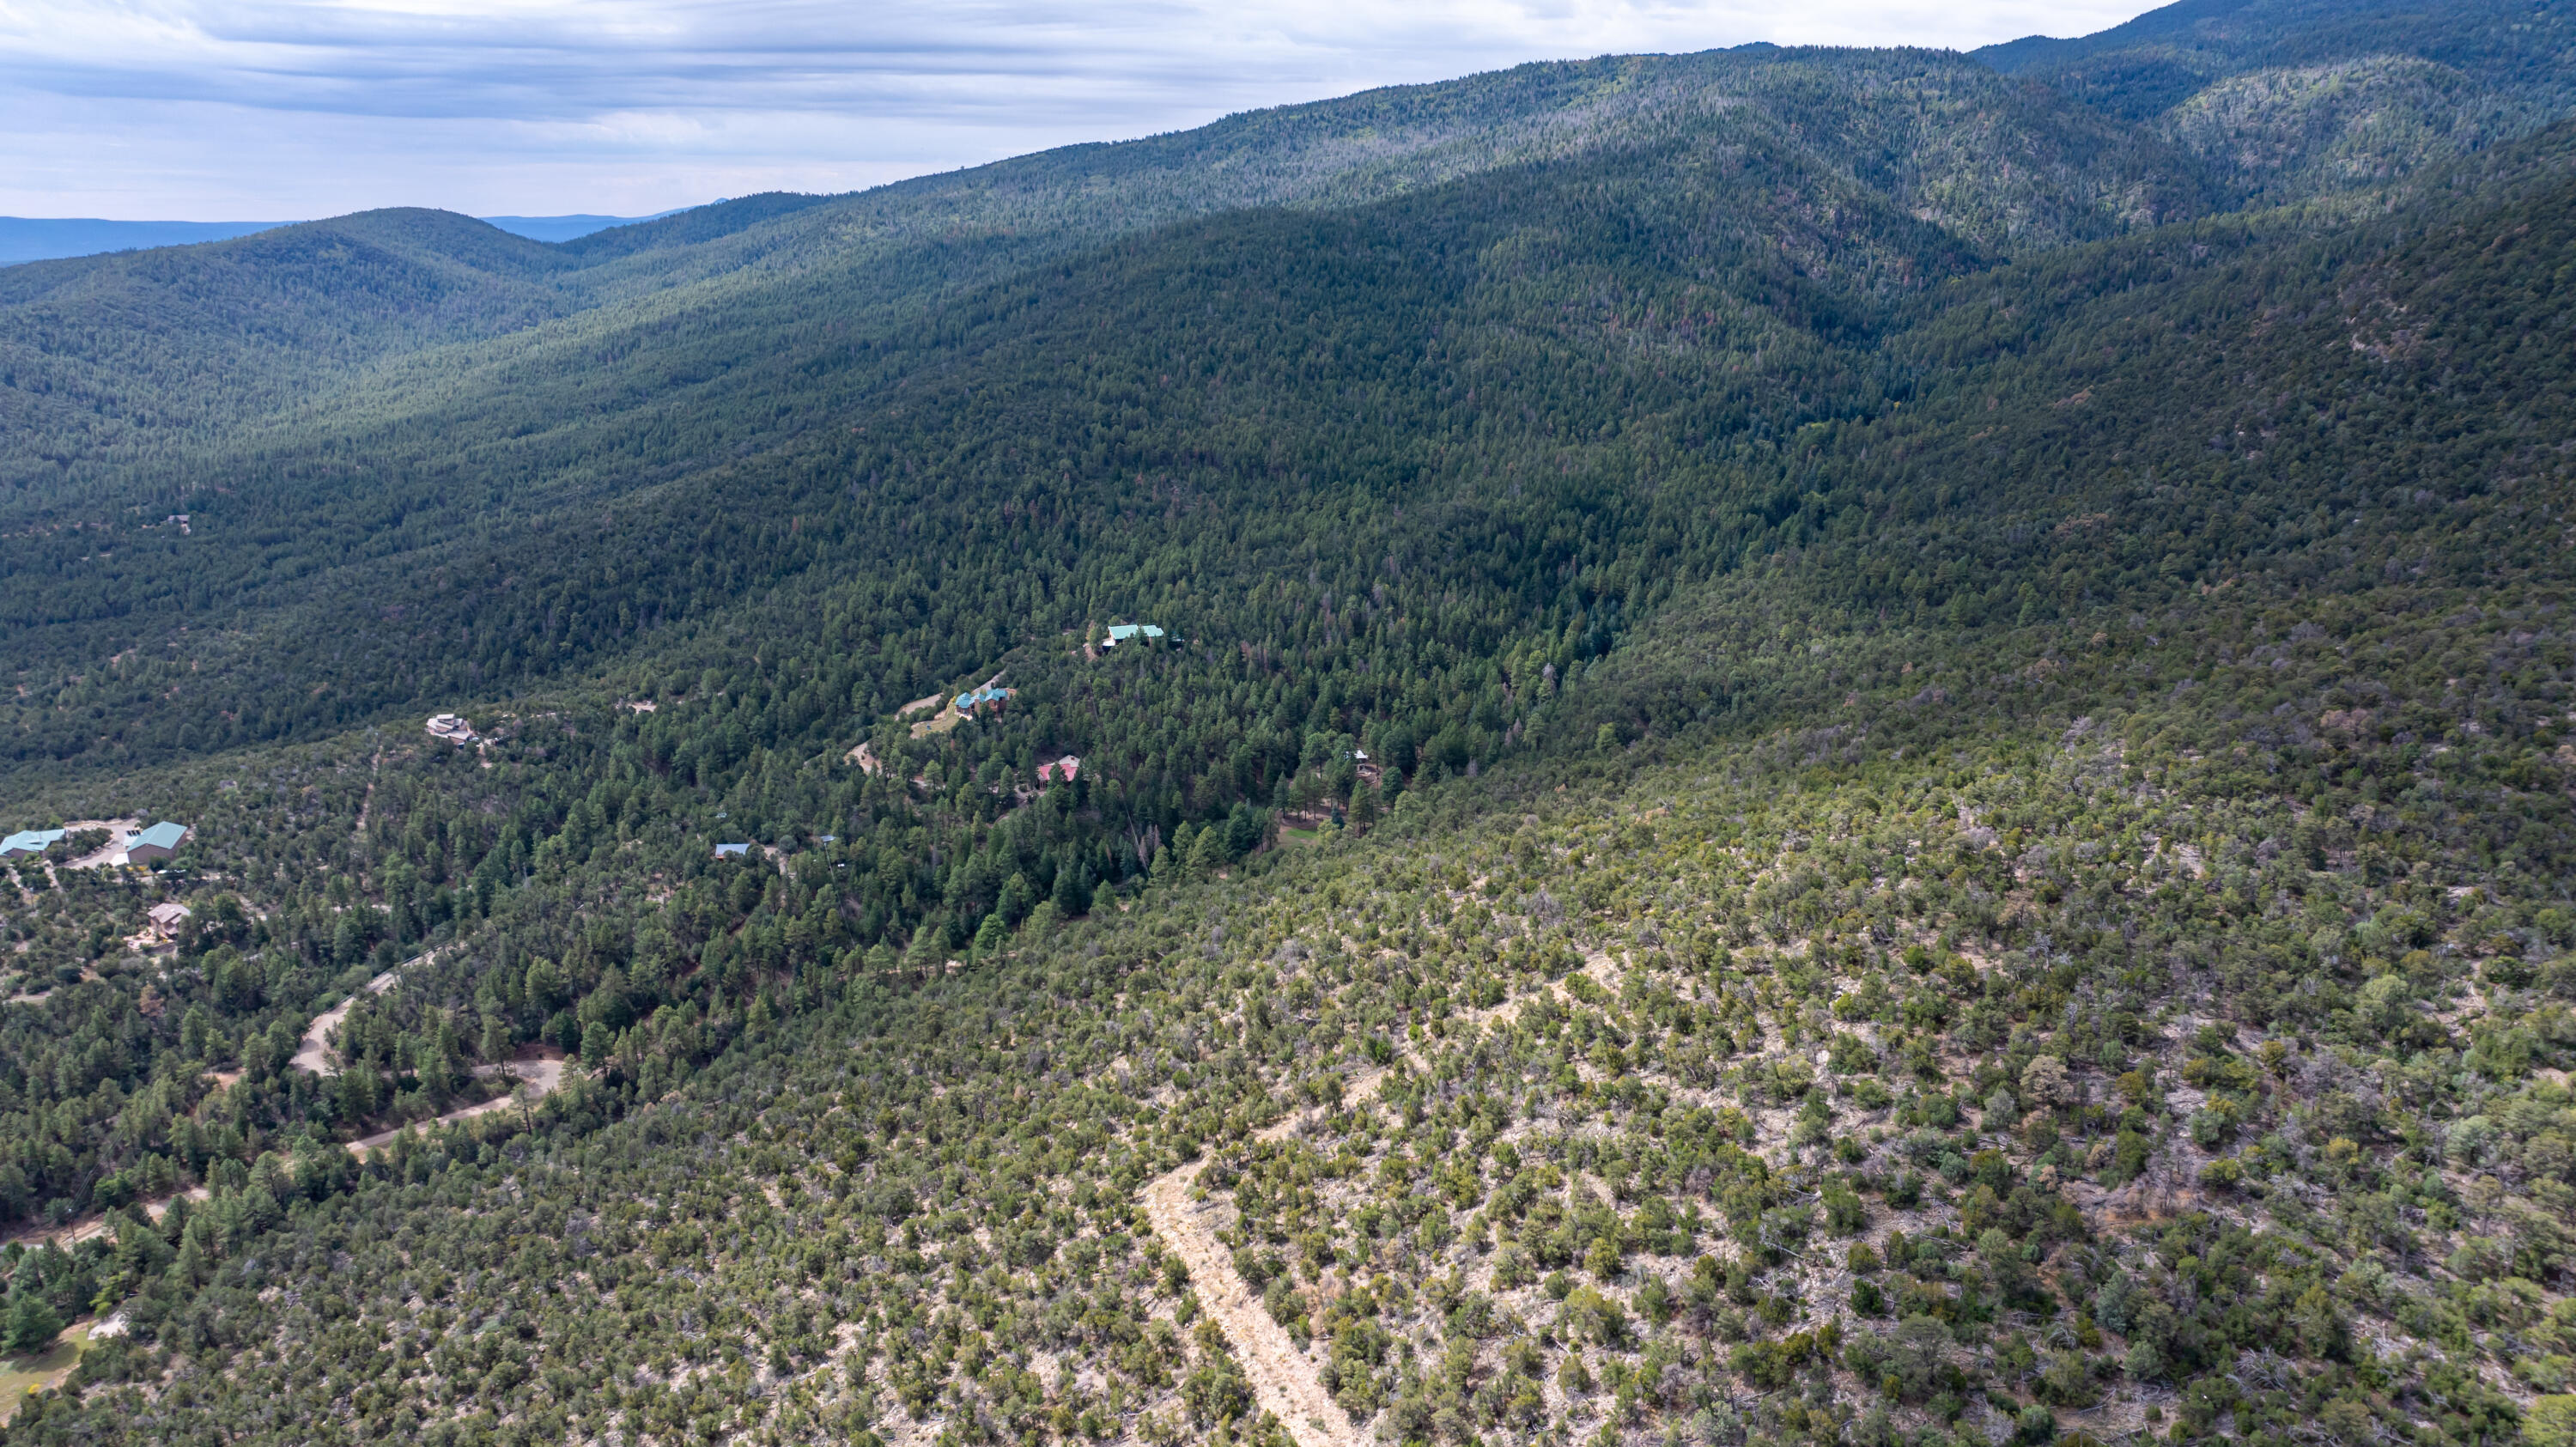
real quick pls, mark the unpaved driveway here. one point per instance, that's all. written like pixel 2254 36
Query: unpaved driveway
pixel 113 851
pixel 1283 1382
pixel 313 1053
pixel 540 1072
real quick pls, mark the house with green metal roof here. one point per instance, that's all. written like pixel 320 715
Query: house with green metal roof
pixel 158 842
pixel 28 841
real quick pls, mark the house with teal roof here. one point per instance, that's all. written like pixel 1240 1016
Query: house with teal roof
pixel 28 841
pixel 158 842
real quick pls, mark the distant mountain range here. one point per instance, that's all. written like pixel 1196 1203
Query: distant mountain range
pixel 567 228
pixel 34 238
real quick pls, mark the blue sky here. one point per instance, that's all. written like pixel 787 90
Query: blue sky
pixel 271 110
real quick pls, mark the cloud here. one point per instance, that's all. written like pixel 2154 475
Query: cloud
pixel 271 108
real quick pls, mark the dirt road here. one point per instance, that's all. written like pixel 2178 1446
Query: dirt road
pixel 540 1072
pixel 313 1053
pixel 1284 1383
pixel 75 1232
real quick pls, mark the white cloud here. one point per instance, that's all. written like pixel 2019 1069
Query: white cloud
pixel 269 108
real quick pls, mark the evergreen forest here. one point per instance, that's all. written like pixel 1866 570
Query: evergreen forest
pixel 1776 748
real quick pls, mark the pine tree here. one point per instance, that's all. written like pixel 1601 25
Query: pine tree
pixel 32 1323
pixel 1072 892
pixel 1207 853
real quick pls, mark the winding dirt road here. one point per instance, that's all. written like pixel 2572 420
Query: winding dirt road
pixel 539 1071
pixel 313 1052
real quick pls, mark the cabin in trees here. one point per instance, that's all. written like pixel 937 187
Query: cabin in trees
pixel 975 698
pixel 732 851
pixel 1064 768
pixel 1124 632
pixel 452 728
pixel 166 918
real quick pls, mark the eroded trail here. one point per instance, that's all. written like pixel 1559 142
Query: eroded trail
pixel 1284 1382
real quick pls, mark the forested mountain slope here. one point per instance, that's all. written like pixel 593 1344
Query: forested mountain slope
pixel 2286 99
pixel 432 497
pixel 1933 126
pixel 101 352
pixel 1761 817
pixel 2504 46
pixel 466 394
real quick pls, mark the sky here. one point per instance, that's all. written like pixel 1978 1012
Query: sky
pixel 288 109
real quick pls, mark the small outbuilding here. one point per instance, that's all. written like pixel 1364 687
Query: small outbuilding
pixel 158 842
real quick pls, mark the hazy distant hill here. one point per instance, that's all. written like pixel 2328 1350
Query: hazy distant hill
pixel 569 228
pixel 1919 129
pixel 24 238
pixel 2287 99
